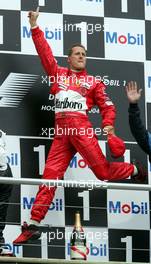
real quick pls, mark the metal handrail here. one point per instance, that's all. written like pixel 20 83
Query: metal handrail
pixel 52 261
pixel 78 184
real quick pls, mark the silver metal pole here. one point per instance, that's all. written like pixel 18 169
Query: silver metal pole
pixel 52 261
pixel 76 184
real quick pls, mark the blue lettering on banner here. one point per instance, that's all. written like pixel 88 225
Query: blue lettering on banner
pixel 132 208
pixel 148 2
pixel 75 163
pixel 149 81
pixel 49 34
pixel 26 32
pixel 13 159
pixel 28 204
pixel 13 248
pixel 98 251
pixel 56 205
pixel 138 39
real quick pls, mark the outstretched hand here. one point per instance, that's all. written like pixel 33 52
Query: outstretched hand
pixel 133 93
pixel 33 15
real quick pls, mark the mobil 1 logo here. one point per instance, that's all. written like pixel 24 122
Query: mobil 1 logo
pixel 33 156
pixel 85 30
pixel 91 203
pixel 124 9
pixel 128 245
pixel 51 238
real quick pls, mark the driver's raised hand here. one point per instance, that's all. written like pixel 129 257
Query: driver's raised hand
pixel 33 15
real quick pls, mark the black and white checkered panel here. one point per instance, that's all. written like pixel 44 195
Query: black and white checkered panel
pixel 117 37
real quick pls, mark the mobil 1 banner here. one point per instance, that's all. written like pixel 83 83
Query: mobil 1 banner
pixel 115 75
pixel 32 165
pixel 55 215
pixel 128 209
pixel 50 245
pixel 91 204
pixel 124 39
pixel 24 96
pixel 124 9
pixel 96 242
pixel 129 245
pixel 85 30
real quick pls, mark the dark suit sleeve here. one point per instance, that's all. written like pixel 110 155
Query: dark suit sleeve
pixel 138 129
pixel 5 193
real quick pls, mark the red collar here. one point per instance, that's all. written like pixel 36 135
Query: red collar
pixel 78 73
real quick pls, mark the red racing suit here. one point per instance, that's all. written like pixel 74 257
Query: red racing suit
pixel 75 94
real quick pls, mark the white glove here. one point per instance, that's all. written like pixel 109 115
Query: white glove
pixel 3 157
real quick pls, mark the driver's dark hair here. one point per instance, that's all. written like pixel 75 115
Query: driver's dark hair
pixel 75 45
